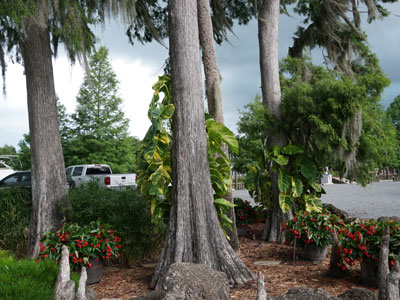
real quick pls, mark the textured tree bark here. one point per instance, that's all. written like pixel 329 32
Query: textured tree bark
pixel 194 233
pixel 261 292
pixel 213 91
pixel 268 25
pixel 392 285
pixel 383 268
pixel 64 287
pixel 49 182
pixel 334 269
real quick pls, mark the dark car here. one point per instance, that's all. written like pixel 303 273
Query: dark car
pixel 17 179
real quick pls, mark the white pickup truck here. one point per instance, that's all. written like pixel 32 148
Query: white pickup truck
pixel 81 174
pixel 5 169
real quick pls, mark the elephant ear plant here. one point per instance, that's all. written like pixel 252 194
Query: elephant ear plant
pixel 297 182
pixel 154 160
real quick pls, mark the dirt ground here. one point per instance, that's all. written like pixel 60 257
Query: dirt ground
pixel 273 260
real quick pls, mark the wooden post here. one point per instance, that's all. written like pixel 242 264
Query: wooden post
pixel 261 292
pixel 383 268
pixel 65 287
pixel 392 283
pixel 334 269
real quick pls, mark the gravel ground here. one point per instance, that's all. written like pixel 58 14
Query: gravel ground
pixel 373 201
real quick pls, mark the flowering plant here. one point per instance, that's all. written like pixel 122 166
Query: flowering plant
pixel 315 227
pixel 247 214
pixel 85 243
pixel 361 240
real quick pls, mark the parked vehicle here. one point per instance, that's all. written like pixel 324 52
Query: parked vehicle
pixel 5 168
pixel 16 179
pixel 81 174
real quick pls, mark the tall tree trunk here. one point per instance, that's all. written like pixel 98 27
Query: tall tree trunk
pixel 213 91
pixel 194 233
pixel 268 25
pixel 49 182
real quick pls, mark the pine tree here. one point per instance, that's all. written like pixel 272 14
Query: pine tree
pixel 99 126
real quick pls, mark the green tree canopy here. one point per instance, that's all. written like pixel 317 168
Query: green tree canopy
pixel 394 112
pixel 318 108
pixel 99 129
pixel 7 150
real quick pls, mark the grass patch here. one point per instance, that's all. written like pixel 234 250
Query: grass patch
pixel 26 279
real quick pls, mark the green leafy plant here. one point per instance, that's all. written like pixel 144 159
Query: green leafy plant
pixel 297 180
pixel 15 214
pixel 154 171
pixel 85 243
pixel 361 240
pixel 154 159
pixel 312 227
pixel 246 214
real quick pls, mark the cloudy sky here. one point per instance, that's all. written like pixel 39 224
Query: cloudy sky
pixel 137 68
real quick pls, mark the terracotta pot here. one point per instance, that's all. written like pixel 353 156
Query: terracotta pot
pixel 313 253
pixel 95 272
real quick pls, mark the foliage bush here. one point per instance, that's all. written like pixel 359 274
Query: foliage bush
pixel 361 240
pixel 15 213
pixel 26 279
pixel 85 243
pixel 247 214
pixel 315 227
pixel 124 210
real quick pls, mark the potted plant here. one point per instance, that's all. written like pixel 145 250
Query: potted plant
pixel 88 246
pixel 360 241
pixel 312 231
pixel 246 214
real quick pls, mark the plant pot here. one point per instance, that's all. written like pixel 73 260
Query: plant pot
pixel 95 272
pixel 241 230
pixel 369 272
pixel 313 253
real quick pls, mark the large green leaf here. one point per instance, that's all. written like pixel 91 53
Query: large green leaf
pixel 297 187
pixel 308 168
pixel 224 202
pixel 281 160
pixel 315 186
pixel 219 132
pixel 285 202
pixel 276 150
pixel 312 203
pixel 168 111
pixel 292 149
pixel 283 180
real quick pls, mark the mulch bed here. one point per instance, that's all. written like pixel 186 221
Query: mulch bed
pixel 276 265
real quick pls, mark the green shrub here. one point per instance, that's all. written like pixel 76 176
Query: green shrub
pixel 15 213
pixel 124 210
pixel 26 279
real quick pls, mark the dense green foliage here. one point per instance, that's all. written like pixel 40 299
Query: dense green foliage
pixel 314 228
pixel 124 210
pixel 7 150
pixel 15 213
pixel 318 107
pixel 98 131
pixel 154 172
pixel 394 112
pixel 361 241
pixel 86 244
pixel 27 279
